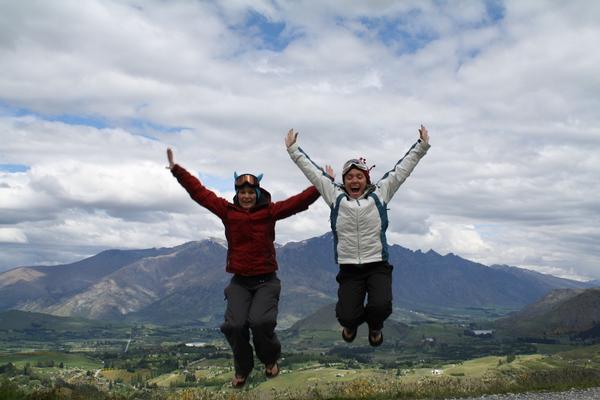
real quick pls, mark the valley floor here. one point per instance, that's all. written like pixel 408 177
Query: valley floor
pixel 423 361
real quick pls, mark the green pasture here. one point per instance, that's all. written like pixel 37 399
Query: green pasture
pixel 591 353
pixel 213 362
pixel 316 376
pixel 167 380
pixel 472 369
pixel 70 360
pixel 123 375
pixel 313 339
pixel 543 348
pixel 213 376
pixel 448 333
pixel 479 367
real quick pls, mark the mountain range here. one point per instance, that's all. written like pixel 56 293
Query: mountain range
pixel 184 284
pixel 561 311
pixel 324 319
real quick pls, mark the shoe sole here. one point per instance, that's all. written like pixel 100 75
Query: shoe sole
pixel 270 374
pixel 378 342
pixel 349 339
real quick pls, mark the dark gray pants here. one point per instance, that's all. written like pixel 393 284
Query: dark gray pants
pixel 373 281
pixel 252 306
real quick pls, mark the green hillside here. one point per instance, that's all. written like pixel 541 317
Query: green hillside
pixel 23 320
pixel 55 358
pixel 561 312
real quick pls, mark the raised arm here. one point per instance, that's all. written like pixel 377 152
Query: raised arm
pixel 197 191
pixel 319 177
pixel 391 181
pixel 295 204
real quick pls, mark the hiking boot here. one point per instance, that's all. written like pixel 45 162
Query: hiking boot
pixel 238 382
pixel 348 334
pixel 375 337
pixel 272 370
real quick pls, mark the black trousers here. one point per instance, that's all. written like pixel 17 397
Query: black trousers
pixel 252 304
pixel 373 281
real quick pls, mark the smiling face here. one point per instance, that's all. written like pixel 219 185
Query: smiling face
pixel 246 197
pixel 355 183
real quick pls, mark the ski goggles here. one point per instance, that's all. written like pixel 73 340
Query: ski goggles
pixel 359 163
pixel 247 179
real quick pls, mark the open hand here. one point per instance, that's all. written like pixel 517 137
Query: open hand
pixel 330 172
pixel 170 158
pixel 423 135
pixel 291 137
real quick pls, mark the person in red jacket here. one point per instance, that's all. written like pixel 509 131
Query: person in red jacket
pixel 253 292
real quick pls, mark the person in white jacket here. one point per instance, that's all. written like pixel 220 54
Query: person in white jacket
pixel 359 222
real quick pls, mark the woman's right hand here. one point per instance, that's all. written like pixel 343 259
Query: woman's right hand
pixel 329 171
pixel 170 158
pixel 423 134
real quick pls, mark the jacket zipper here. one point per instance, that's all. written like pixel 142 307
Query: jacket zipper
pixel 358 235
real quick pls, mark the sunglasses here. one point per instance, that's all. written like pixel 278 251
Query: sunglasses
pixel 247 179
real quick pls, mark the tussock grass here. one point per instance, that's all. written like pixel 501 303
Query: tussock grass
pixel 557 379
pixel 363 388
pixel 482 376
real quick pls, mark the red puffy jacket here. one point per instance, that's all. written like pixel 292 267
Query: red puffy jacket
pixel 250 233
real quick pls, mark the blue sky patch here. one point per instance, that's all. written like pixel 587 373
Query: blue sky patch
pixel 495 10
pixel 214 182
pixel 271 35
pixel 70 119
pixel 145 125
pixel 6 109
pixel 141 126
pixel 14 168
pixel 405 34
pixel 85 120
pixel 488 231
pixel 398 32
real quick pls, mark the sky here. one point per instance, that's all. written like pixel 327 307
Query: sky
pixel 92 93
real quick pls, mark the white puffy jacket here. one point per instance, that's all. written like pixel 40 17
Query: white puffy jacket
pixel 359 225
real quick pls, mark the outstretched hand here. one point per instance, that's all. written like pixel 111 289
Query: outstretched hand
pixel 290 138
pixel 170 158
pixel 423 135
pixel 330 172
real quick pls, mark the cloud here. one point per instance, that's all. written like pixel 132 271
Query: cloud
pixel 459 238
pixel 92 93
pixel 11 235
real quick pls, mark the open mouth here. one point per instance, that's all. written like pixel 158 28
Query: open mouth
pixel 354 190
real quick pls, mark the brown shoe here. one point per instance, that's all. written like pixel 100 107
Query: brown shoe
pixel 348 334
pixel 375 338
pixel 238 382
pixel 272 370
